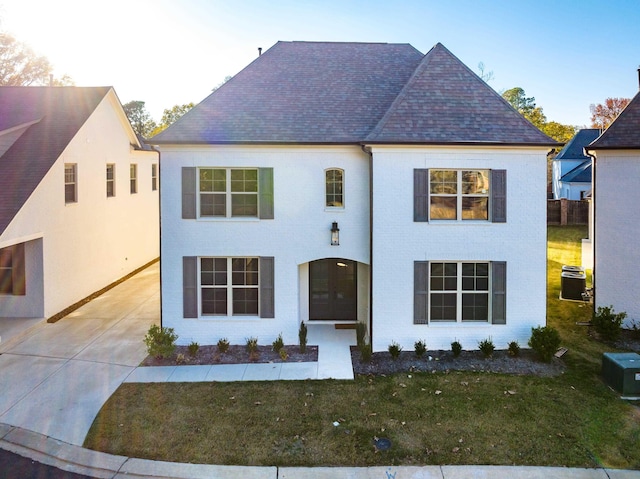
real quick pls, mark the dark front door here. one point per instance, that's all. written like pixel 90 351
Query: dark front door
pixel 332 289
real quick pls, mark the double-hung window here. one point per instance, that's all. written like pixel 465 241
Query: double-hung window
pixel 111 180
pixel 229 286
pixel 334 181
pixel 133 178
pixel 228 192
pixel 12 270
pixel 154 177
pixel 459 291
pixel 70 182
pixel 459 194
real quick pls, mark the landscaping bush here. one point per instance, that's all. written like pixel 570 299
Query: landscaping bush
pixel 607 323
pixel 193 349
pixel 514 349
pixel 365 353
pixel 420 347
pixel 252 345
pixel 302 337
pixel 456 348
pixel 223 345
pixel 487 347
pixel 545 341
pixel 161 342
pixel 395 349
pixel 283 354
pixel 278 344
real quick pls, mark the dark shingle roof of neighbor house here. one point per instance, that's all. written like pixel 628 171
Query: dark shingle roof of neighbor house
pixel 624 132
pixel 580 174
pixel 345 93
pixel 51 117
pixel 574 150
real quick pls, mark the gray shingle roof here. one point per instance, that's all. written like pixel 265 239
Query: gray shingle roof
pixel 574 150
pixel 324 93
pixel 58 113
pixel 624 132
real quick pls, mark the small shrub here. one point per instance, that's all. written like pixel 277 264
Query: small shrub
pixel 193 349
pixel 394 349
pixel 365 353
pixel 302 337
pixel 514 349
pixel 361 332
pixel 223 345
pixel 161 342
pixel 180 359
pixel 456 348
pixel 487 347
pixel 607 323
pixel 420 347
pixel 252 345
pixel 283 354
pixel 545 341
pixel 278 344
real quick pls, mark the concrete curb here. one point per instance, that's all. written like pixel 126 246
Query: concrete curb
pixel 68 457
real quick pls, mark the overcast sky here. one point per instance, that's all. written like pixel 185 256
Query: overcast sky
pixel 567 54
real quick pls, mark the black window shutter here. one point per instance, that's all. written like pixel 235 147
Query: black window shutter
pixel 499 292
pixel 190 287
pixel 18 270
pixel 420 292
pixel 189 192
pixel 265 191
pixel 421 195
pixel 267 299
pixel 499 196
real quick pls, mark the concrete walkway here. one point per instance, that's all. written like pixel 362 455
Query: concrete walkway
pixel 54 378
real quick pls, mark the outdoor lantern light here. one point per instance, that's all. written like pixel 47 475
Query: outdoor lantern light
pixel 335 234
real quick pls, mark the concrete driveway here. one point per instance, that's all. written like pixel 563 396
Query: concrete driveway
pixel 55 378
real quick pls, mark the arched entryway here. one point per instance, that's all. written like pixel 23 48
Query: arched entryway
pixel 333 290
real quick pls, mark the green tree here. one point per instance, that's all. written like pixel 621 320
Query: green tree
pixel 139 118
pixel 603 114
pixel 170 116
pixel 20 66
pixel 516 96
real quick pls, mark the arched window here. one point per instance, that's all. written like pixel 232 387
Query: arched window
pixel 334 179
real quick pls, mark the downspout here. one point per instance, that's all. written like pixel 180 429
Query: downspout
pixel 369 153
pixel 159 183
pixel 593 240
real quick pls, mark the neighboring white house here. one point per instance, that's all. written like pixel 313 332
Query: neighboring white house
pixel 345 182
pixel 616 226
pixel 571 174
pixel 78 197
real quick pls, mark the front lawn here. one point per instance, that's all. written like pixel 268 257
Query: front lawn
pixel 441 418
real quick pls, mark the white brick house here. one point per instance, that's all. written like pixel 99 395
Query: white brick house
pixel 78 197
pixel 436 184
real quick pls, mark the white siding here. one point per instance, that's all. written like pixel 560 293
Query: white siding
pixel 617 228
pixel 398 241
pixel 89 244
pixel 299 232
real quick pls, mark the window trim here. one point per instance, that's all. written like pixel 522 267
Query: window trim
pixel 460 195
pixel 133 178
pixel 228 193
pixel 74 182
pixel 111 181
pixel 327 194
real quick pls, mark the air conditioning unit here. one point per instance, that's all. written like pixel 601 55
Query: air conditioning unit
pixel 621 371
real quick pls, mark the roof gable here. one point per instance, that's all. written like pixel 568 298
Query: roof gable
pixel 56 114
pixel 580 174
pixel 624 132
pixel 574 150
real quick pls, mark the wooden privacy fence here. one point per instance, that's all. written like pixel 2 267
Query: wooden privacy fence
pixel 567 212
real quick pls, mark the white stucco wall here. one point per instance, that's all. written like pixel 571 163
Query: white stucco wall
pixel 89 244
pixel 299 232
pixel 617 228
pixel 398 241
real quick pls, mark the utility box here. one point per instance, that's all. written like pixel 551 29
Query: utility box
pixel 621 371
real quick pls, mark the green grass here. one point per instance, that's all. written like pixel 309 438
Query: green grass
pixel 444 418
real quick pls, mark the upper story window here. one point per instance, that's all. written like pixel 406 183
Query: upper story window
pixel 228 192
pixel 459 194
pixel 70 182
pixel 133 178
pixel 111 180
pixel 154 177
pixel 334 180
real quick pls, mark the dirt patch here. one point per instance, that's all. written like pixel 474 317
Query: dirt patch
pixel 234 355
